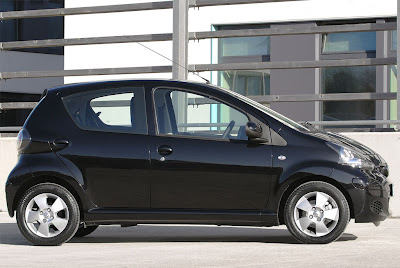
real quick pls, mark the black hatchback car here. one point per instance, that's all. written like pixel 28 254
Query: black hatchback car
pixel 152 151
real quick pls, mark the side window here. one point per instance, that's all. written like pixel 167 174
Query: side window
pixel 183 113
pixel 110 110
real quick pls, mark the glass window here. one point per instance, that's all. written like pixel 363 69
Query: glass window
pixel 111 110
pixel 348 80
pixel 394 40
pixel 344 42
pixel 34 28
pixel 243 46
pixel 183 113
pixel 8 28
pixel 247 83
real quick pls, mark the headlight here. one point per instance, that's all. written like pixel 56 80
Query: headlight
pixel 349 158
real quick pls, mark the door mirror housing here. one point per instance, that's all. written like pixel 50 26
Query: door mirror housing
pixel 254 132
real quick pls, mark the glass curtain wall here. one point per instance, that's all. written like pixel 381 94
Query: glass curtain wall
pixel 358 79
pixel 244 49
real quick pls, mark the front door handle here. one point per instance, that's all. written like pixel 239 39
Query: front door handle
pixel 164 150
pixel 61 143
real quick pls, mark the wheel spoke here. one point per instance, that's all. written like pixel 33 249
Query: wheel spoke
pixel 332 214
pixel 321 199
pixel 304 204
pixel 60 223
pixel 320 228
pixel 33 216
pixel 304 223
pixel 44 229
pixel 57 206
pixel 41 201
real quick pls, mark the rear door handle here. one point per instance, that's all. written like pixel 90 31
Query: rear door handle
pixel 61 143
pixel 164 150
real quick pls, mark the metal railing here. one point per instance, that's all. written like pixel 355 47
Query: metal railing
pixel 363 27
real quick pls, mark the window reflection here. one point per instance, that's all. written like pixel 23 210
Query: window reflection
pixel 344 42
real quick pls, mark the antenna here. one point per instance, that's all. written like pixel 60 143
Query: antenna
pixel 193 72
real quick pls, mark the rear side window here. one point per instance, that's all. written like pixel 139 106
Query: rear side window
pixel 110 110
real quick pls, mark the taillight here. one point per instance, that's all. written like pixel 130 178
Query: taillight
pixel 23 139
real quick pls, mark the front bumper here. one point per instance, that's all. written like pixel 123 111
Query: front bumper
pixel 376 196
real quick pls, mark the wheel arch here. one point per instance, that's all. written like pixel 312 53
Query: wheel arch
pixel 46 179
pixel 297 183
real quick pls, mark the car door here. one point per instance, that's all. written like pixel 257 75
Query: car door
pixel 102 138
pixel 201 157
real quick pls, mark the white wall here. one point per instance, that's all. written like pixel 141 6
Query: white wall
pixel 160 21
pixel 8 159
pixel 386 144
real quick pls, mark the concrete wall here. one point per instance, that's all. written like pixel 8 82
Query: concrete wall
pixel 386 144
pixel 8 159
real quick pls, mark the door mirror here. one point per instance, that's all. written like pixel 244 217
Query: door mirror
pixel 254 132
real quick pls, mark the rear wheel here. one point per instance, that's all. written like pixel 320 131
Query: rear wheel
pixel 48 215
pixel 85 231
pixel 316 213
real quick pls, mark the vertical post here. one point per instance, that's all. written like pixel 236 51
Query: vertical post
pixel 180 39
pixel 317 79
pixel 398 63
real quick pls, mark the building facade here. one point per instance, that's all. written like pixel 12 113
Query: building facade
pixel 51 58
pixel 285 48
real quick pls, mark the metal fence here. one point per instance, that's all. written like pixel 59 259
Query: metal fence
pixel 180 38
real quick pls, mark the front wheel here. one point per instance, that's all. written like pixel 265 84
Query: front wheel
pixel 48 215
pixel 316 213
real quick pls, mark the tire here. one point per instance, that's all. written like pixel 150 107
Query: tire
pixel 48 215
pixel 85 231
pixel 316 213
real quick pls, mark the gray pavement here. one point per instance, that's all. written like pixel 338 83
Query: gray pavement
pixel 362 245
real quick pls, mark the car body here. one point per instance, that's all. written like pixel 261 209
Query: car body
pixel 163 151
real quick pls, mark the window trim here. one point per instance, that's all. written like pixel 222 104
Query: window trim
pixel 201 94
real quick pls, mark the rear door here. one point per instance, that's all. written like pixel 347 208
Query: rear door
pixel 101 136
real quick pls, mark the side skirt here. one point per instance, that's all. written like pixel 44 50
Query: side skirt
pixel 168 216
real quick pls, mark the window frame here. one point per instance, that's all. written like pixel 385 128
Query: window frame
pixel 249 116
pixel 110 91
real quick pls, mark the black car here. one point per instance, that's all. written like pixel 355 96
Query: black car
pixel 153 151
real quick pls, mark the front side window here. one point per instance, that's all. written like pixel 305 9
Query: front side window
pixel 347 42
pixel 187 114
pixel 110 110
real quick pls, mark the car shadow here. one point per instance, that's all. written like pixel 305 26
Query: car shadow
pixel 10 234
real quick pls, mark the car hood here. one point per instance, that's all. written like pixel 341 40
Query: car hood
pixel 357 147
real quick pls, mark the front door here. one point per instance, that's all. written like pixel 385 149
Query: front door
pixel 201 158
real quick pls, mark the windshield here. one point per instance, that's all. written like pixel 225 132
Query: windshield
pixel 283 119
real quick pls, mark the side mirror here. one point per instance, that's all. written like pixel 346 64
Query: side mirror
pixel 254 132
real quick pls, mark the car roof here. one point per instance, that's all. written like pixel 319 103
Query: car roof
pixel 77 87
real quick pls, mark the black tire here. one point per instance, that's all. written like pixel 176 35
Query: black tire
pixel 303 225
pixel 69 215
pixel 85 231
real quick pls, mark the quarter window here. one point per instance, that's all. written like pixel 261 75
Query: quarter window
pixel 188 114
pixel 111 110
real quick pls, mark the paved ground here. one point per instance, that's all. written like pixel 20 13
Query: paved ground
pixel 363 245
